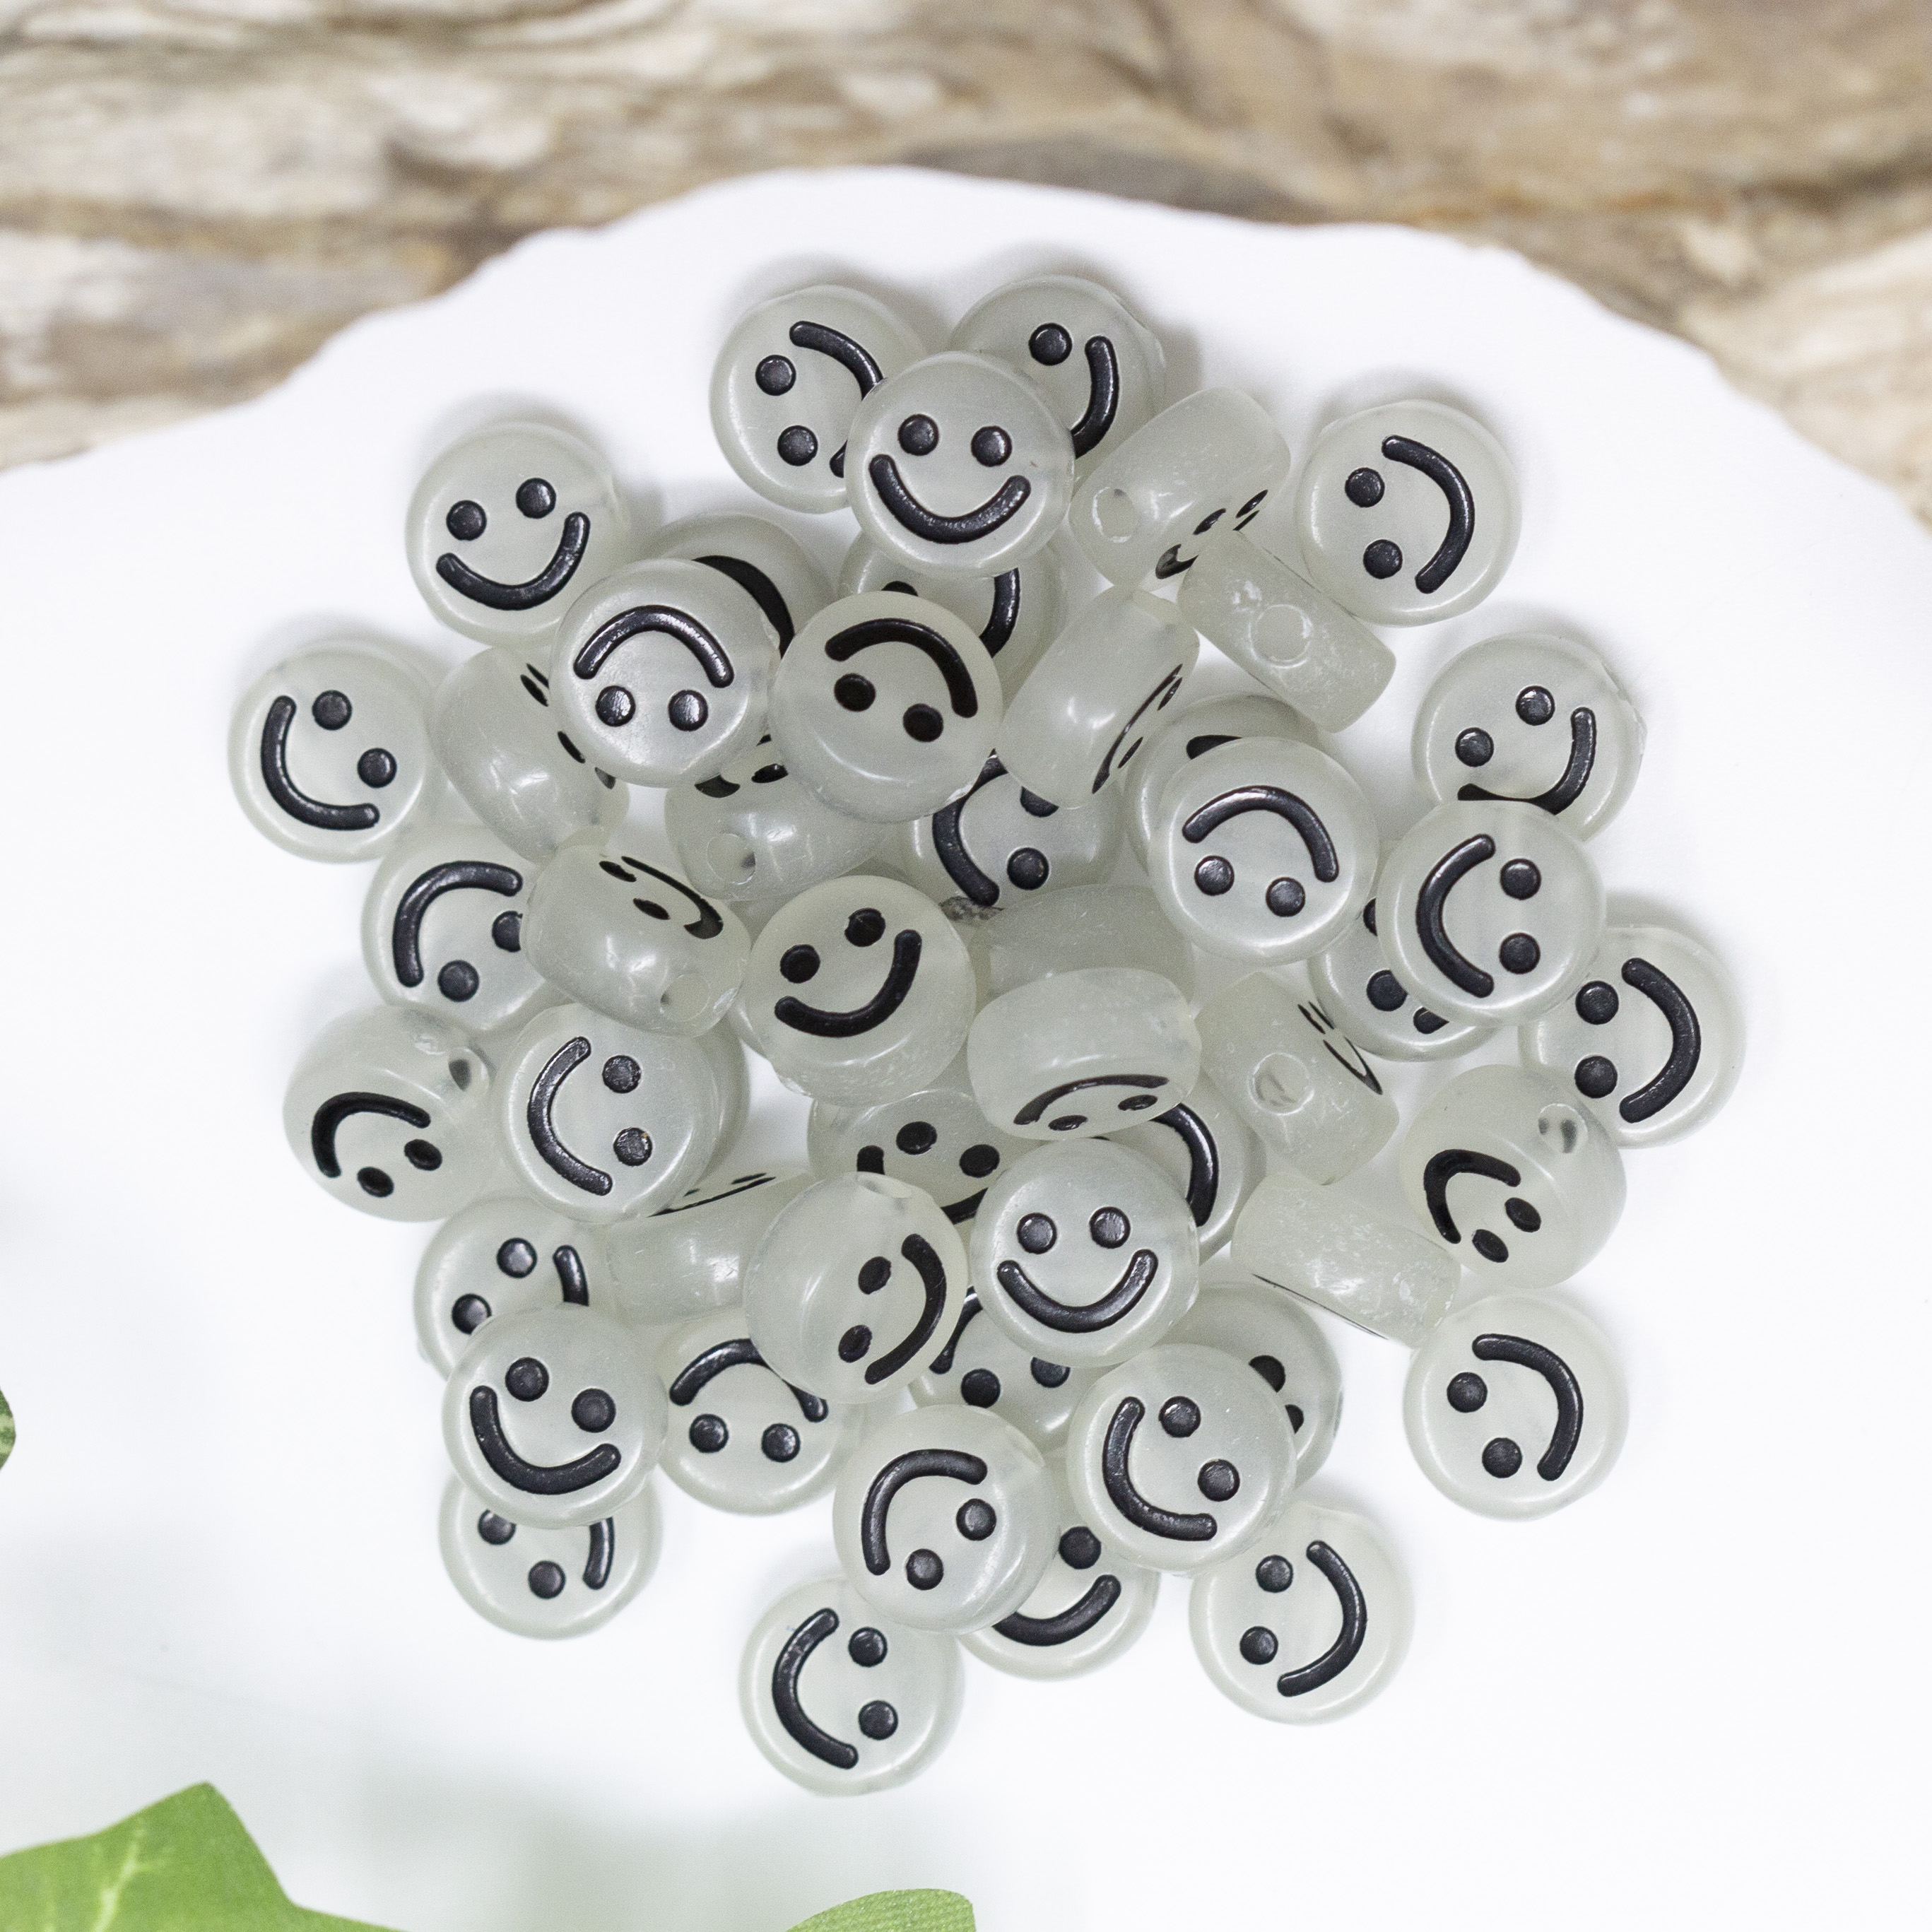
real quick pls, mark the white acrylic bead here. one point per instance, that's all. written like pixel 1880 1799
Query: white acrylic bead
pixel 688 1258
pixel 1083 926
pixel 1193 731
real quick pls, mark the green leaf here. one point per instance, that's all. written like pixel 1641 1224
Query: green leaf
pixel 6 1430
pixel 895 1912
pixel 183 1865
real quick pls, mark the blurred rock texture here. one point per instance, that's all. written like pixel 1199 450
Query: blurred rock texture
pixel 194 193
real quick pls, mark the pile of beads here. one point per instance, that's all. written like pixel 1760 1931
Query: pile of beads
pixel 947 842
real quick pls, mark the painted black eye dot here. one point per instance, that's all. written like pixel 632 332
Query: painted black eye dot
pixel 775 375
pixel 1363 488
pixel 768 774
pixel 632 1147
pixel 616 705
pixel 466 521
pixel 866 1647
pixel 992 446
pixel 1475 747
pixel 687 710
pixel 1270 1368
pixel 516 1258
pixel 374 1181
pixel 978 1161
pixel 1079 1548
pixel 458 981
pixel 1521 880
pixel 1252 507
pixel 1208 522
pixel 1037 1233
pixel 798 963
pixel 924 1570
pixel 779 1443
pixel 708 1434
pixel 546 1580
pixel 1596 1077
pixel 1522 1214
pixel 1285 898
pixel 506 932
pixel 1385 991
pixel 1534 706
pixel 1108 1227
pixel 1382 558
pixel 1274 1574
pixel 916 1137
pixel 1502 1457
pixel 1214 876
pixel 1426 1023
pixel 1049 1374
pixel 976 1520
pixel 469 1313
pixel 874 1274
pixel 422 1154
pixel 1028 868
pixel 331 710
pixel 1136 1103
pixel 979 1388
pixel 1519 953
pixel 527 1379
pixel 866 927
pixel 1258 1645
pixel 922 723
pixel 919 436
pixel 877 1720
pixel 651 909
pixel 855 1342
pixel 593 1411
pixel 854 692
pixel 1491 1247
pixel 622 1074
pixel 376 768
pixel 535 497
pixel 1050 344
pixel 1596 1003
pixel 797 446
pixel 1218 1480
pixel 494 1529
pixel 1179 1416
pixel 1467 1393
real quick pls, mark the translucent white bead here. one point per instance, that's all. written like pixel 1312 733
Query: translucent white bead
pixel 1318 1242
pixel 1083 926
pixel 1209 459
pixel 509 524
pixel 1294 1077
pixel 781 575
pixel 1282 631
pixel 1083 1052
pixel 1193 730
pixel 1096 696
pixel 1514 1175
pixel 689 1258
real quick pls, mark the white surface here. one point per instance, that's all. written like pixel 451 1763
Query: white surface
pixel 1699 1696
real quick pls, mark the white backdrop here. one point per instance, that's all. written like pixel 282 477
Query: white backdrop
pixel 1699 1696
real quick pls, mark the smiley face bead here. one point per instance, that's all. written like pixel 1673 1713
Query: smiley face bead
pixel 508 525
pixel 1088 1607
pixel 1190 733
pixel 1652 1041
pixel 497 736
pixel 1514 1406
pixel 1306 1624
pixel 1352 980
pixel 329 753
pixel 1104 373
pixel 854 1286
pixel 1207 462
pixel 859 991
pixel 1279 1341
pixel 553 1417
pixel 1210 1153
pixel 1180 1457
pixel 503 1255
pixel 1263 850
pixel 546 1582
pixel 842 1700
pixel 1539 720
pixel 783 579
pixel 389 1110
pixel 633 941
pixel 886 707
pixel 999 840
pixel 1016 614
pixel 1084 1253
pixel 1490 913
pixel 983 1367
pixel 601 1120
pixel 442 929
pixel 959 467
pixel 742 1438
pixel 945 1519
pixel 662 670
pixel 688 1258
pixel 1082 1053
pixel 1407 513
pixel 1514 1176
pixel 788 382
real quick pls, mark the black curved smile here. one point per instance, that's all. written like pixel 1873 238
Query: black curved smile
pixel 1030 1299
pixel 1174 1524
pixel 539 1109
pixel 1076 1620
pixel 1431 902
pixel 827 1024
pixel 908 510
pixel 1569 788
pixel 534 1479
pixel 533 591
pixel 289 796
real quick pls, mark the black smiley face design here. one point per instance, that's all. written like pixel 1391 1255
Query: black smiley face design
pixel 1217 1479
pixel 877 1719
pixel 332 711
pixel 627 871
pixel 936 1139
pixel 1387 994
pixel 800 964
pixel 797 445
pixel 1259 1645
pixel 1523 1215
pixel 620 1074
pixel 999 839
pixel 1519 879
pixel 457 978
pixel 1597 1076
pixel 516 1261
pixel 919 436
pixel 708 1434
pixel 1171 563
pixel 592 1410
pixel 975 1519
pixel 534 498
pixel 855 1345
pixel 1050 345
pixel 1149 1091
pixel 1466 1393
pixel 421 1153
pixel 856 692
pixel 546 1578
pixel 1109 1228
pixel 535 686
pixel 1285 896
pixel 1536 707
pixel 1382 557
pixel 687 709
pixel 982 1387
